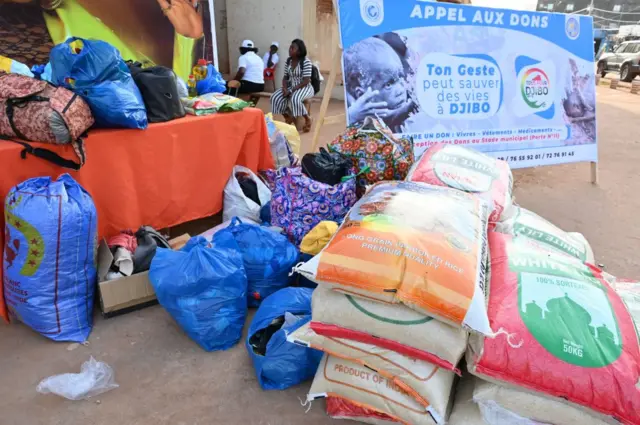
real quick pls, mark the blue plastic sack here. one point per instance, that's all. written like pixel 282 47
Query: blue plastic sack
pixel 49 257
pixel 204 289
pixel 101 77
pixel 42 72
pixel 212 83
pixel 265 214
pixel 268 258
pixel 284 364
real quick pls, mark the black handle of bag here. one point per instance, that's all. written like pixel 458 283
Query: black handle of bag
pixel 20 102
pixel 45 154
pixel 41 153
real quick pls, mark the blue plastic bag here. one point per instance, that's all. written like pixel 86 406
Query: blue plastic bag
pixel 204 289
pixel 98 74
pixel 284 364
pixel 268 258
pixel 212 83
pixel 265 214
pixel 42 72
pixel 49 257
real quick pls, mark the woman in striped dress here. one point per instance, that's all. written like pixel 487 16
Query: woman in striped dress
pixel 296 86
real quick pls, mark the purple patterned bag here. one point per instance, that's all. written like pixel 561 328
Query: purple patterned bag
pixel 299 203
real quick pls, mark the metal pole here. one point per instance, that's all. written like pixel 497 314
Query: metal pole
pixel 214 39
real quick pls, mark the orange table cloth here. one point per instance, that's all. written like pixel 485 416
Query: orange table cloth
pixel 165 175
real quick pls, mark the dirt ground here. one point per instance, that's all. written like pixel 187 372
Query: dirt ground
pixel 166 379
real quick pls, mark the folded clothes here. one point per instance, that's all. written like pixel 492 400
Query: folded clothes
pixel 126 239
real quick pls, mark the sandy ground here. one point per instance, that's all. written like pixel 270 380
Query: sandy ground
pixel 166 379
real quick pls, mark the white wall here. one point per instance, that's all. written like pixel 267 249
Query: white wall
pixel 263 21
pixel 221 35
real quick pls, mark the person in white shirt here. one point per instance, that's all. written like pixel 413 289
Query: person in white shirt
pixel 271 60
pixel 250 69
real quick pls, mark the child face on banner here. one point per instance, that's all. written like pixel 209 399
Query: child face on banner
pixel 387 78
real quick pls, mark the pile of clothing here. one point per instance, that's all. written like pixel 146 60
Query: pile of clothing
pixel 133 252
pixel 443 266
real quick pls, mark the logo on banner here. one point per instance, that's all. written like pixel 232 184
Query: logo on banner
pixel 535 88
pixel 372 12
pixel 572 27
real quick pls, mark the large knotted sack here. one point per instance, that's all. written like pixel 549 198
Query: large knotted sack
pixel 390 327
pixel 278 363
pixel 470 171
pixel 570 336
pixel 267 256
pixel 427 383
pixel 375 152
pixel 204 289
pixel 412 243
pixel 348 380
pixel 50 257
pixel 525 223
pixel 95 70
pixel 530 408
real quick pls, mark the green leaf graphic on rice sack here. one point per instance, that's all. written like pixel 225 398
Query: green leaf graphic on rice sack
pixel 414 318
pixel 539 229
pixel 464 169
pixel 567 310
pixel 35 243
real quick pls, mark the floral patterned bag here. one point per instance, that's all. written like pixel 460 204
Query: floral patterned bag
pixel 373 145
pixel 35 110
pixel 299 203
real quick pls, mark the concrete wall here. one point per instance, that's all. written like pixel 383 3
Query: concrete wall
pixel 220 9
pixel 263 21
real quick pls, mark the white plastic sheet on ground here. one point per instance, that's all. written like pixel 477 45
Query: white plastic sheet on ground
pixel 94 378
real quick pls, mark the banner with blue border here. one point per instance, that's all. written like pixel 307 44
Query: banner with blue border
pixel 517 85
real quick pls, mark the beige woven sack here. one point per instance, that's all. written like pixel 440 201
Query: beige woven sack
pixel 465 411
pixel 342 378
pixel 392 322
pixel 525 223
pixel 339 408
pixel 430 385
pixel 535 407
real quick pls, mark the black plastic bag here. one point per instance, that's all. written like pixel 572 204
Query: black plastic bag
pixel 149 240
pixel 159 90
pixel 249 187
pixel 325 167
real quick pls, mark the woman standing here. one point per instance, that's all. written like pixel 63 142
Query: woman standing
pixel 296 86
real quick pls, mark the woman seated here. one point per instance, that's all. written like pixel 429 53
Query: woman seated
pixel 296 86
pixel 250 71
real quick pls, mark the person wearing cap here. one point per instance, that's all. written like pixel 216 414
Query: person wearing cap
pixel 271 60
pixel 250 69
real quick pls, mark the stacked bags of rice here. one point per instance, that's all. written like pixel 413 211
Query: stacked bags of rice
pixel 469 171
pixel 572 353
pixel 420 267
pixel 400 285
